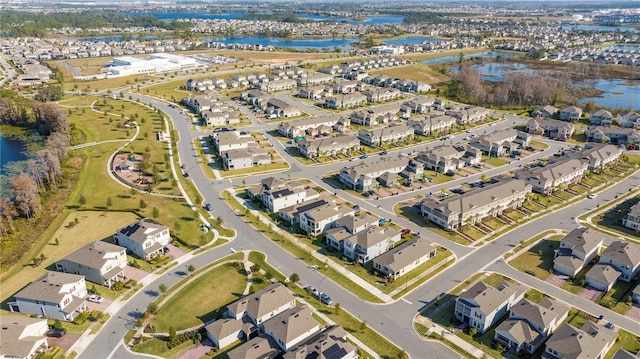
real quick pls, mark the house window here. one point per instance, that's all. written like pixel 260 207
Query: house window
pixel 477 315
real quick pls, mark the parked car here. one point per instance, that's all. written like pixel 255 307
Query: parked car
pixel 356 208
pixel 383 153
pixel 353 159
pixel 326 299
pixel 364 157
pixel 458 191
pixel 208 207
pixel 311 289
pixel 56 333
pixel 382 220
pixel 592 196
pixel 186 175
pixel 95 299
pixel 405 231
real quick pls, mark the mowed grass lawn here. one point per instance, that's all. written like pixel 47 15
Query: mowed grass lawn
pixel 415 72
pixel 91 227
pixel 538 259
pixel 200 300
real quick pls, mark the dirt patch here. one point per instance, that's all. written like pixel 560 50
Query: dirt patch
pixel 126 166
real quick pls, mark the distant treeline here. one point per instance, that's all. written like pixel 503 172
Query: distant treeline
pixel 282 17
pixel 428 17
pixel 18 23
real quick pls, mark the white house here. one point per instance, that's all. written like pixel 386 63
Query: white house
pixel 144 238
pixel 576 249
pixel 292 327
pixel 404 258
pixel 99 262
pixel 482 305
pixel 22 337
pixel 624 257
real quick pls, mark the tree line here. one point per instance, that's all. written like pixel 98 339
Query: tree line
pixel 43 170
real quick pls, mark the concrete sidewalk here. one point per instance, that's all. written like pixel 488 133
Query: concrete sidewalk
pixel 449 336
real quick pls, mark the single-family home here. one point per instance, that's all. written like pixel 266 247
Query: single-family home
pixel 231 140
pixel 292 326
pixel 600 118
pixel 378 136
pixel 570 114
pixel 632 219
pixel 355 224
pixel 276 194
pixel 629 120
pixel 144 238
pixel 552 128
pixel 553 176
pixel 328 146
pixel 544 112
pixel 99 262
pixel 623 354
pixel 366 245
pixel 615 135
pixel 225 331
pixel 329 344
pixel 420 104
pixel 262 347
pixel 576 249
pixel 245 158
pixel 601 277
pixel 365 176
pixel 482 305
pixel 624 257
pixel 291 214
pixel 590 341
pixel 476 204
pixel 55 295
pixel 530 324
pixel 500 142
pixel 446 158
pixel 402 259
pixel 22 337
pixel 318 220
pixel 263 304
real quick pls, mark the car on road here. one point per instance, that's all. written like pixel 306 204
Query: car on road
pixel 353 159
pixel 56 333
pixel 186 175
pixel 184 166
pixel 95 299
pixel 405 231
pixel 468 131
pixel 592 196
pixel 356 208
pixel 312 290
pixel 364 157
pixel 458 190
pixel 208 207
pixel 325 298
pixel 383 153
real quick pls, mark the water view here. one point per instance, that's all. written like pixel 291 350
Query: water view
pixel 598 28
pixel 370 20
pixel 343 43
pixel 485 55
pixel 11 150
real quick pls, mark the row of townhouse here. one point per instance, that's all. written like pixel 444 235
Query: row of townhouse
pixel 363 65
pixel 393 82
pixel 202 85
pixel 628 119
pixel 213 112
pixel 432 125
pixel 445 158
pixel 273 107
pixel 468 115
pixel 423 104
pixel 616 135
pixel 569 113
pixel 599 117
pixel 314 126
pixel 551 128
pixel 376 115
pixel 239 151
pixel 271 323
pixel 530 325
pixel 386 172
pixel 499 143
pixel 328 146
pixel 316 92
pixel 474 205
pixel 378 136
pixel 345 101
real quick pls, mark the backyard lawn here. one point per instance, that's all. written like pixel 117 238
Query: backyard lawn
pixel 220 286
pixel 626 341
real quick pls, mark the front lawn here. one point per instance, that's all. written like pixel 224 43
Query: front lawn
pixel 626 341
pixel 616 298
pixel 220 286
pixel 538 260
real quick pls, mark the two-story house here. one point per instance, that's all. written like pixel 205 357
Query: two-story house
pixel 369 244
pixel 590 341
pixel 500 142
pixel 320 219
pixel 446 158
pixel 378 136
pixel 570 114
pixel 624 257
pixel 551 128
pixel 144 238
pixel 632 219
pixel 432 125
pixel 292 326
pixel 365 176
pixel 553 176
pixel 331 343
pixel 22 337
pixel 328 146
pixel 600 118
pixel 99 262
pixel 597 155
pixel 55 295
pixel 404 258
pixel 629 120
pixel 482 305
pixel 576 249
pixel 530 324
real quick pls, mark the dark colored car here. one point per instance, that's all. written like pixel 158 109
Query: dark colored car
pixel 56 333
pixel 383 153
pixel 208 207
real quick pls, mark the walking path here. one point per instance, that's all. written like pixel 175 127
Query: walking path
pixel 448 335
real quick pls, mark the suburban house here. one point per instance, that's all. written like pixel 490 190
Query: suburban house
pixel 318 220
pixel 220 118
pixel 576 249
pixel 544 111
pixel 624 257
pixel 629 120
pixel 632 219
pixel 551 128
pixel 590 341
pixel 600 118
pixel 420 104
pixel 553 176
pixel 245 158
pixel 601 277
pixel 570 114
pixel 230 140
pixel 432 125
pixel 276 194
pixel 313 79
pixel 292 326
pixel 365 245
pixel 212 111
pixel 255 97
pixel 376 115
pixel 614 135
pixel 262 305
pixel 404 258
pixel 623 354
pixel 482 305
pixel 315 92
pixel 469 115
pixel 355 224
pixel 144 238
pixel 328 146
pixel 386 171
pixel 500 142
pixel 22 337
pixel 597 155
pixel 381 95
pixel 299 127
pixel 378 136
pixel 262 346
pixel 350 100
pixel 330 344
pixel 530 324
pixel 345 86
pixel 446 158
pixel 476 204
pixel 281 109
pixel 99 262
pixel 55 295
pixel 278 85
pixel 225 331
pixel 291 214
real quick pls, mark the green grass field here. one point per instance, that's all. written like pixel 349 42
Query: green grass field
pixel 538 260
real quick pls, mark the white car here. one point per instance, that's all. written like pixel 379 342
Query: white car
pixel 95 298
pixel 592 196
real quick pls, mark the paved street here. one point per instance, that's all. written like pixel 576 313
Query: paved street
pixel 395 320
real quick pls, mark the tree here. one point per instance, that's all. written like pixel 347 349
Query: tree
pixel 337 308
pixel 26 196
pixel 363 326
pixel 82 200
pixel 172 335
pixel 152 308
pixel 49 93
pixel 8 212
pixel 109 202
pixel 50 117
pixel 155 212
pixel 294 278
pixel 162 288
pixel 191 268
pixel 219 221
pixel 142 203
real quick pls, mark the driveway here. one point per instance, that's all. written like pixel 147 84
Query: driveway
pixel 634 312
pixel 65 342
pixel 557 279
pixel 590 293
pixel 101 307
pixel 198 351
pixel 134 273
pixel 175 252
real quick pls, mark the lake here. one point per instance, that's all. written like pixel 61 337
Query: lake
pixel 410 40
pixel 455 58
pixel 169 16
pixel 119 38
pixel 598 28
pixel 11 150
pixel 369 20
pixel 617 93
pixel 344 44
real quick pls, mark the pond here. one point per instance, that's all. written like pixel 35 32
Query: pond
pixel 11 150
